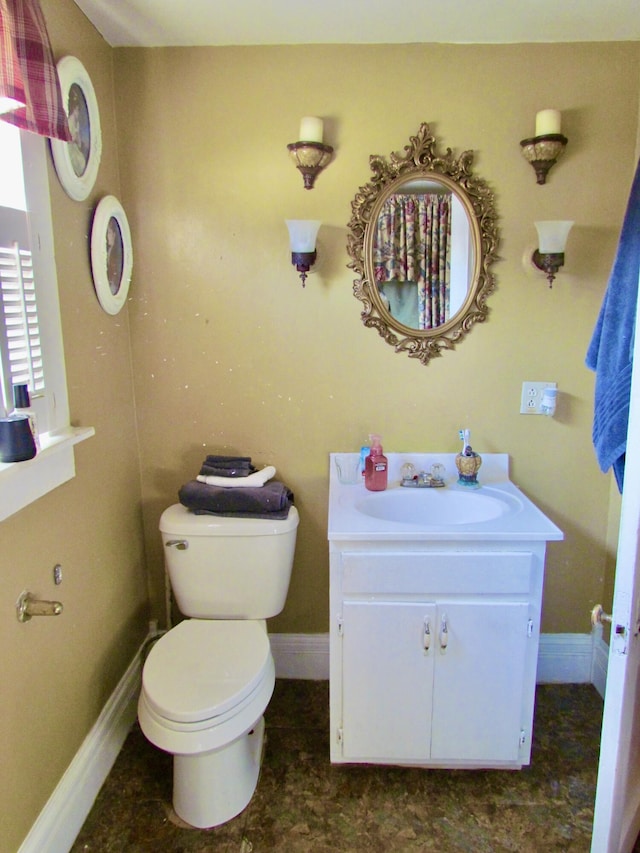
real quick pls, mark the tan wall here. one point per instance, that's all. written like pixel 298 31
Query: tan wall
pixel 58 673
pixel 229 354
pixel 232 355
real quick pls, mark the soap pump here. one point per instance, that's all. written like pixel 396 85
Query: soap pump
pixel 376 468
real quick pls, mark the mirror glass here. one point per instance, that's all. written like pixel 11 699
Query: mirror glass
pixel 422 237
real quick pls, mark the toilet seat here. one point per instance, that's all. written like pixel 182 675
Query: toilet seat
pixel 203 669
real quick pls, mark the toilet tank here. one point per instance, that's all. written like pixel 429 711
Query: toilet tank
pixel 228 568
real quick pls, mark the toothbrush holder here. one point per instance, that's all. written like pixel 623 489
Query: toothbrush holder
pixel 468 465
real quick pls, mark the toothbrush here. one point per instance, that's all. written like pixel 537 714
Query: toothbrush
pixel 464 438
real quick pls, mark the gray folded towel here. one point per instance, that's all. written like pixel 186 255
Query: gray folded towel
pixel 227 461
pixel 226 466
pixel 269 501
pixel 213 471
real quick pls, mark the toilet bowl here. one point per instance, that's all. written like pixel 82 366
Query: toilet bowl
pixel 205 687
pixel 207 681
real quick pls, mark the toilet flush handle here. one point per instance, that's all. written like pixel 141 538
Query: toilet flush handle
pixel 180 544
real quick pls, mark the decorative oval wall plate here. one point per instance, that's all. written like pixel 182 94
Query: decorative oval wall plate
pixel 111 254
pixel 77 162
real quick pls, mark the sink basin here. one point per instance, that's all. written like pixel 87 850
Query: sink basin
pixel 437 506
pixel 497 511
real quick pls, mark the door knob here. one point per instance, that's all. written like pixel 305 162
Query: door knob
pixel 598 616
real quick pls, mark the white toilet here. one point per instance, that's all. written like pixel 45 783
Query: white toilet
pixel 207 682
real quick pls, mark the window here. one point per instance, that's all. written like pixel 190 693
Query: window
pixel 27 275
pixel 31 348
pixel 20 349
pixel 20 344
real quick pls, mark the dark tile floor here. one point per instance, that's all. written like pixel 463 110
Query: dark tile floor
pixel 304 803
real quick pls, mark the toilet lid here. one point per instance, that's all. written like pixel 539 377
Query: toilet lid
pixel 202 668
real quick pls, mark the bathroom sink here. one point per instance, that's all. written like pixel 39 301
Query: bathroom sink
pixel 437 506
pixel 496 511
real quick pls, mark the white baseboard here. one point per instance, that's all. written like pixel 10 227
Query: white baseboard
pixel 67 808
pixel 568 658
pixel 562 658
pixel 565 658
pixel 301 656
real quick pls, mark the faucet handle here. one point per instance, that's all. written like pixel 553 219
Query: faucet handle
pixel 438 471
pixel 408 471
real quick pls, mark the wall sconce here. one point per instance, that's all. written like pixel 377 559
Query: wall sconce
pixel 547 146
pixel 310 155
pixel 302 241
pixel 552 239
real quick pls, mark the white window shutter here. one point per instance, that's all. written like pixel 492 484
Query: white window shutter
pixel 20 344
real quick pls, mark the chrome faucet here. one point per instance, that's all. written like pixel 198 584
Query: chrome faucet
pixel 433 479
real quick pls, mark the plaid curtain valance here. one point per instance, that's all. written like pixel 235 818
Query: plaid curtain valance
pixel 30 93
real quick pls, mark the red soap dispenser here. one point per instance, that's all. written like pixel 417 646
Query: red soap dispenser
pixel 376 467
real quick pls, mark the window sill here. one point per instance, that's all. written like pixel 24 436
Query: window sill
pixel 22 483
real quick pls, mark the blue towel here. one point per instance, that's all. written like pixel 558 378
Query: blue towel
pixel 610 352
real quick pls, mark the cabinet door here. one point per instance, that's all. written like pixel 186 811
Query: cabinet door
pixel 388 650
pixel 479 682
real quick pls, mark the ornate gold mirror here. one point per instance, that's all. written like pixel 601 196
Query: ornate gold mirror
pixel 423 236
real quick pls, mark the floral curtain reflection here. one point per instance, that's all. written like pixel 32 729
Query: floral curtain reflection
pixel 412 244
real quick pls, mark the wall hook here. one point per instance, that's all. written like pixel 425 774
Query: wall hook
pixel 28 606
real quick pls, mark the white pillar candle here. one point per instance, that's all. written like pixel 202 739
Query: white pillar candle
pixel 547 121
pixel 311 129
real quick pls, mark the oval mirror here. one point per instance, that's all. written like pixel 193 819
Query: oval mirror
pixel 423 236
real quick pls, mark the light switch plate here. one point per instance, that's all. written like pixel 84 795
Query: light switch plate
pixel 531 398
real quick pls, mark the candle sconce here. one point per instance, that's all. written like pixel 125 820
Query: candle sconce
pixel 545 148
pixel 310 154
pixel 543 152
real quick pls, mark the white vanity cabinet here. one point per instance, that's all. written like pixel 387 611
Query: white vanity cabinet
pixel 433 654
pixel 435 606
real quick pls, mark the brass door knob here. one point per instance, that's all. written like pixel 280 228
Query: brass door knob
pixel 598 616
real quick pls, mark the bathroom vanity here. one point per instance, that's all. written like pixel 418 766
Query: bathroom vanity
pixel 435 604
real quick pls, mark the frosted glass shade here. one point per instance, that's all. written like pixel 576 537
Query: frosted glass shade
pixel 552 236
pixel 302 234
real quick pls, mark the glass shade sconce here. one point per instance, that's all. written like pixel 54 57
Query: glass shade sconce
pixel 547 146
pixel 310 154
pixel 302 242
pixel 552 240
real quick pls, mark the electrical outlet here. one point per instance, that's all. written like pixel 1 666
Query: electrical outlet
pixel 532 397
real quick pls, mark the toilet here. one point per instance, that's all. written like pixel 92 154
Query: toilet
pixel 207 681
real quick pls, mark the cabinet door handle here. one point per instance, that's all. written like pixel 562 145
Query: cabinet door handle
pixel 426 635
pixel 444 633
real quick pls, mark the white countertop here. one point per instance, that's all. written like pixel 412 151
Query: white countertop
pixel 523 521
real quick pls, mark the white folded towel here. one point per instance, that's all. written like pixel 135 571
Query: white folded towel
pixel 258 478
